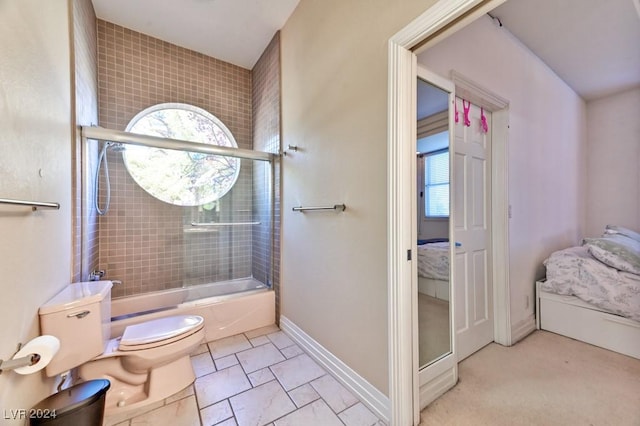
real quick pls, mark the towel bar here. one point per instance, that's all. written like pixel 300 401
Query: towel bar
pixel 33 204
pixel 336 207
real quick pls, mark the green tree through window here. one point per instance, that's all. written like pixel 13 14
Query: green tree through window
pixel 179 177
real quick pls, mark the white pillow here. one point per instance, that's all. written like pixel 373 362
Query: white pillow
pixel 617 251
pixel 614 229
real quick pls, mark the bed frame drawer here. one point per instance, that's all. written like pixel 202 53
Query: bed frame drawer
pixel 562 315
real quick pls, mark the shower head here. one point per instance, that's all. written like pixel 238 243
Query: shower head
pixel 116 146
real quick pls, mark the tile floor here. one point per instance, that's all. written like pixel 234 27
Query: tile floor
pixel 257 378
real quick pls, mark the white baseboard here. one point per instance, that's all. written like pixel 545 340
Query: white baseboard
pixel 370 396
pixel 523 328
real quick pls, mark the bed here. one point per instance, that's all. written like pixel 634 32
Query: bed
pixel 433 268
pixel 592 292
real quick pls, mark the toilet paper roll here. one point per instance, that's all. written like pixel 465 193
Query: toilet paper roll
pixel 46 346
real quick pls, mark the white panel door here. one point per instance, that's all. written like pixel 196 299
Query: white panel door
pixel 471 203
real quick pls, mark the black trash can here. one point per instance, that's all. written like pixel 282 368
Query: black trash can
pixel 79 405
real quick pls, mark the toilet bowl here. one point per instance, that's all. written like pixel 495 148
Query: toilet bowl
pixel 149 362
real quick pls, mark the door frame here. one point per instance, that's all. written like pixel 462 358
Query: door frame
pixel 440 20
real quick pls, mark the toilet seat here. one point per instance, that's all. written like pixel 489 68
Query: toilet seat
pixel 159 332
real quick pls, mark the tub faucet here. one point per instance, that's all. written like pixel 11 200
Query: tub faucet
pixel 96 275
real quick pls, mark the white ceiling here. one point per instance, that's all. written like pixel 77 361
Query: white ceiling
pixel 593 45
pixel 235 31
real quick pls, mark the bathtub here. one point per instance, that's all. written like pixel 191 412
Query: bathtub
pixel 228 308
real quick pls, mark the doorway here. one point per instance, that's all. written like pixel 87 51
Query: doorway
pixel 443 18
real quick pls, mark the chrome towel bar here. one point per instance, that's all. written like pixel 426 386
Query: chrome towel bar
pixel 33 204
pixel 336 207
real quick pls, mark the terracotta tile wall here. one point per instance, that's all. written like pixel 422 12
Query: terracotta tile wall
pixel 142 240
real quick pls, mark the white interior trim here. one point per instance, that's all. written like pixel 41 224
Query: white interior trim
pixel 440 376
pixel 433 124
pixel 403 387
pixel 477 94
pixel 500 227
pixel 368 394
pixel 401 125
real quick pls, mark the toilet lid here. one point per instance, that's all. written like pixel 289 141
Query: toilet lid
pixel 160 329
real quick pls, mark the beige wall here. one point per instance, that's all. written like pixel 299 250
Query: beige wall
pixel 546 145
pixel 334 108
pixel 613 180
pixel 35 163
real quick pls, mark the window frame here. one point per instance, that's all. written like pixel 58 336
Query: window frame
pixel 424 185
pixel 196 110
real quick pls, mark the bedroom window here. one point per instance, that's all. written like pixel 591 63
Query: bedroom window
pixel 436 184
pixel 180 177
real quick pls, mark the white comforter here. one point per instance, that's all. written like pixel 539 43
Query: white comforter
pixel 574 272
pixel 433 261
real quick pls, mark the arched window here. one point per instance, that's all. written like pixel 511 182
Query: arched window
pixel 179 177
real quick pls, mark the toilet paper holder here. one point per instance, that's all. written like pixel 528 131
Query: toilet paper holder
pixel 25 361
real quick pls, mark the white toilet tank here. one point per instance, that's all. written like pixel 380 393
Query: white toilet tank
pixel 80 316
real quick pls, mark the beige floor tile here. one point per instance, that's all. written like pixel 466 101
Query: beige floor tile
pixel 297 371
pixel 260 377
pixel 336 395
pixel 260 357
pixel 280 339
pixel 261 405
pixel 260 340
pixel 229 345
pixel 229 422
pixel 216 413
pixel 180 413
pixel 359 415
pixel 262 331
pixel 303 395
pixel 220 385
pixel 316 413
pixel 226 362
pixel 202 364
pixel 291 351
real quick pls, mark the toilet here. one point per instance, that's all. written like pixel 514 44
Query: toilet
pixel 149 362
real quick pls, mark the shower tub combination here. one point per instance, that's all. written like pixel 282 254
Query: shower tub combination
pixel 228 308
pixel 234 227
